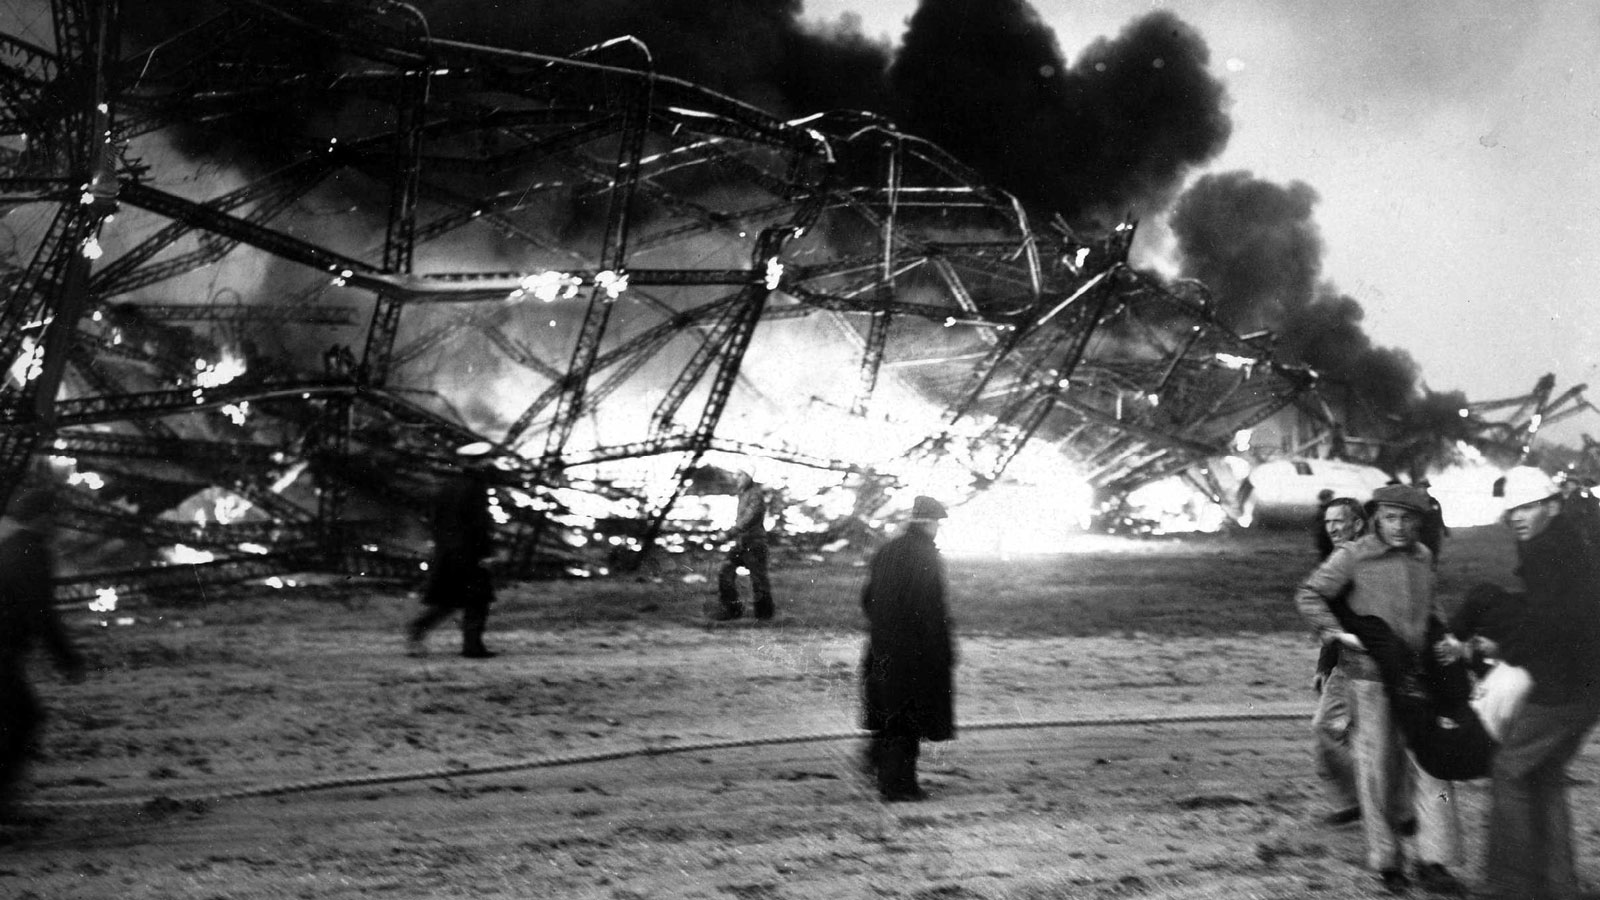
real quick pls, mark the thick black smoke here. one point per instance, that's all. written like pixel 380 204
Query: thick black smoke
pixel 1257 248
pixel 1115 133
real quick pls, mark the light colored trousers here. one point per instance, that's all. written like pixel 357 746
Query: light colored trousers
pixel 1330 726
pixel 1382 766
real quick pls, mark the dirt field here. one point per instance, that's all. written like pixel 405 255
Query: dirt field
pixel 280 744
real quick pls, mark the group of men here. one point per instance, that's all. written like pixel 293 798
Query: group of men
pixel 1376 567
pixel 1381 568
pixel 463 541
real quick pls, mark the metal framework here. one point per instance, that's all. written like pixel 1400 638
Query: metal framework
pixel 612 275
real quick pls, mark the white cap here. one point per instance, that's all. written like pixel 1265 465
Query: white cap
pixel 1523 485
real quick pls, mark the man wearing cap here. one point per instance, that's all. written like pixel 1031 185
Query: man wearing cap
pixel 463 537
pixel 749 536
pixel 27 616
pixel 1388 573
pixel 1554 633
pixel 907 684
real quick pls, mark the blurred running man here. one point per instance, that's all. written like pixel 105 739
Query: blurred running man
pixel 1388 574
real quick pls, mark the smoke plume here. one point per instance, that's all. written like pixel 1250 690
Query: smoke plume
pixel 1257 248
pixel 1115 133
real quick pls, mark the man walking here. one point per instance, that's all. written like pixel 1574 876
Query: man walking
pixel 907 682
pixel 1554 634
pixel 1343 520
pixel 1388 573
pixel 749 550
pixel 27 616
pixel 463 537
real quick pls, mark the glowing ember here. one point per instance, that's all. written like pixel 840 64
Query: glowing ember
pixel 209 375
pixel 105 600
pixel 182 554
pixel 90 480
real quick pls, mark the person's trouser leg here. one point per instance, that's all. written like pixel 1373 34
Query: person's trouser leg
pixel 474 619
pixel 728 582
pixel 1378 762
pixel 1330 726
pixel 426 620
pixel 20 718
pixel 760 585
pixel 1530 829
pixel 1438 816
pixel 897 767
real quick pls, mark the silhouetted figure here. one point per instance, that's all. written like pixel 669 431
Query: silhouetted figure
pixel 749 536
pixel 27 617
pixel 1434 531
pixel 908 684
pixel 1554 633
pixel 463 537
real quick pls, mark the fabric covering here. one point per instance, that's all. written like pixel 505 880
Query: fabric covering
pixel 1431 702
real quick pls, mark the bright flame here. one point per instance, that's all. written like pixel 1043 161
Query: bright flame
pixel 613 283
pixel 90 480
pixel 1466 491
pixel 224 370
pixel 548 287
pixel 1039 507
pixel 1173 506
pixel 182 554
pixel 105 600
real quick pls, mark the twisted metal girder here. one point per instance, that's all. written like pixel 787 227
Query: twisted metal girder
pixel 566 230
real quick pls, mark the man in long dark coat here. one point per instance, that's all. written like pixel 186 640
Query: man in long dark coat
pixel 463 537
pixel 908 685
pixel 27 617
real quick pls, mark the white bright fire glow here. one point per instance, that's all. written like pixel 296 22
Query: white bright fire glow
pixel 1041 504
pixel 1175 507
pixel 1466 491
pixel 90 480
pixel 224 370
pixel 548 287
pixel 105 600
pixel 183 554
pixel 29 363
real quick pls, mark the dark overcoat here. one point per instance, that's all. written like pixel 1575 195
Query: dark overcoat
pixel 27 618
pixel 908 683
pixel 463 536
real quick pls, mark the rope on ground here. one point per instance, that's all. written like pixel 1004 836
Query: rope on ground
pixel 572 759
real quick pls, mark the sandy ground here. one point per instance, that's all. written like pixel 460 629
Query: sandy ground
pixel 297 752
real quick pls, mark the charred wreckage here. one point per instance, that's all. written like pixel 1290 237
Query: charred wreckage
pixel 620 280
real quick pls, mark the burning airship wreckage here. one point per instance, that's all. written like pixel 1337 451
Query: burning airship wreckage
pixel 622 282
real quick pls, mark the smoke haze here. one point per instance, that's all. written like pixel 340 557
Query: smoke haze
pixel 1257 248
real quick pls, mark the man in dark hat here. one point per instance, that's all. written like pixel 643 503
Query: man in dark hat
pixel 1389 574
pixel 27 616
pixel 907 680
pixel 463 537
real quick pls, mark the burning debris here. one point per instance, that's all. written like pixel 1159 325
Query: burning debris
pixel 615 276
